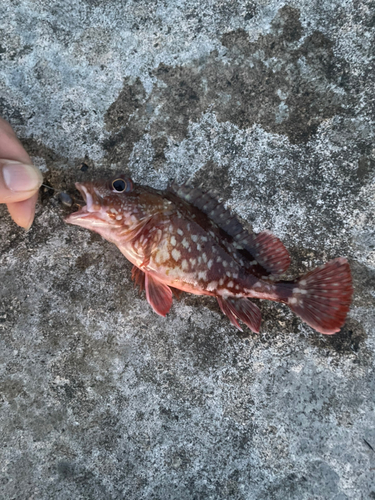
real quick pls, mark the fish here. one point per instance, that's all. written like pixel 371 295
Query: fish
pixel 182 239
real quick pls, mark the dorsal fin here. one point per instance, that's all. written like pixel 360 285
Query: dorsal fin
pixel 210 206
pixel 264 248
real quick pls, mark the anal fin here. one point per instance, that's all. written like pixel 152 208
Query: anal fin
pixel 158 295
pixel 241 309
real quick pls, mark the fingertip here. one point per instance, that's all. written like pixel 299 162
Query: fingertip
pixel 20 177
pixel 23 212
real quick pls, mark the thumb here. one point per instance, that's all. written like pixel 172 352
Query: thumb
pixel 18 181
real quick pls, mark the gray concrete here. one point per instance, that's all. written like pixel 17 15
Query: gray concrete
pixel 273 106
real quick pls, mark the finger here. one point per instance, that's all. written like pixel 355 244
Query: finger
pixel 22 212
pixel 10 146
pixel 18 181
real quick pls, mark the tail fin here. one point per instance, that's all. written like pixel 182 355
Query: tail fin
pixel 322 297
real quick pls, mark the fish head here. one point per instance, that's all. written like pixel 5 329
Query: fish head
pixel 115 206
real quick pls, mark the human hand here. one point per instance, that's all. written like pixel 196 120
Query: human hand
pixel 19 179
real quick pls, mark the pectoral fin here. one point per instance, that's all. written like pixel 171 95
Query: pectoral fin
pixel 158 295
pixel 138 277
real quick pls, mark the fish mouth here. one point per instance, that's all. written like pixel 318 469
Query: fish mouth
pixel 84 211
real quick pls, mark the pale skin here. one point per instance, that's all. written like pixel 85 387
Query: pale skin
pixel 20 180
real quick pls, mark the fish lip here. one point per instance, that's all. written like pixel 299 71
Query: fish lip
pixel 83 192
pixel 84 211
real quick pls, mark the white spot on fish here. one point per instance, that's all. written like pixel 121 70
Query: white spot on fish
pixel 292 300
pixel 228 274
pixel 118 217
pixel 225 263
pixel 212 286
pixel 204 257
pixel 185 243
pixel 176 254
pixel 209 263
pixel 184 265
pixel 193 262
pixel 303 282
pixel 180 232
pixel 202 275
pixel 194 237
pixel 221 281
pixel 230 284
pixel 161 256
pixel 173 241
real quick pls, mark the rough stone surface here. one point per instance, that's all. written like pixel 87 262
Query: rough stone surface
pixel 270 104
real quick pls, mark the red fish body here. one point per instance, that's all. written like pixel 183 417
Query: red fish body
pixel 183 239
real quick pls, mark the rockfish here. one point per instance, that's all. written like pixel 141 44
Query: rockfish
pixel 184 239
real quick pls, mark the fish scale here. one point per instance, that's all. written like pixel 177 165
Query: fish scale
pixel 195 258
pixel 183 239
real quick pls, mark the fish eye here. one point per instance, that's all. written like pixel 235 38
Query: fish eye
pixel 119 185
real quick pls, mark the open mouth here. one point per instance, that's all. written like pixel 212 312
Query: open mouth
pixel 86 196
pixel 83 210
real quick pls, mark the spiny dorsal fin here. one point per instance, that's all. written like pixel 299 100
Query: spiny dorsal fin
pixel 264 248
pixel 209 205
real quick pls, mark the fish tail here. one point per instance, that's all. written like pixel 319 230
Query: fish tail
pixel 322 297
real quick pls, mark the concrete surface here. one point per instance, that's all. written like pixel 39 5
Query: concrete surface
pixel 272 105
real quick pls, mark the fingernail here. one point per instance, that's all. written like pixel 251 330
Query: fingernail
pixel 21 177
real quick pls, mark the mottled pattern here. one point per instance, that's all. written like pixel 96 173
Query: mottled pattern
pixel 191 243
pixel 100 397
pixel 194 261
